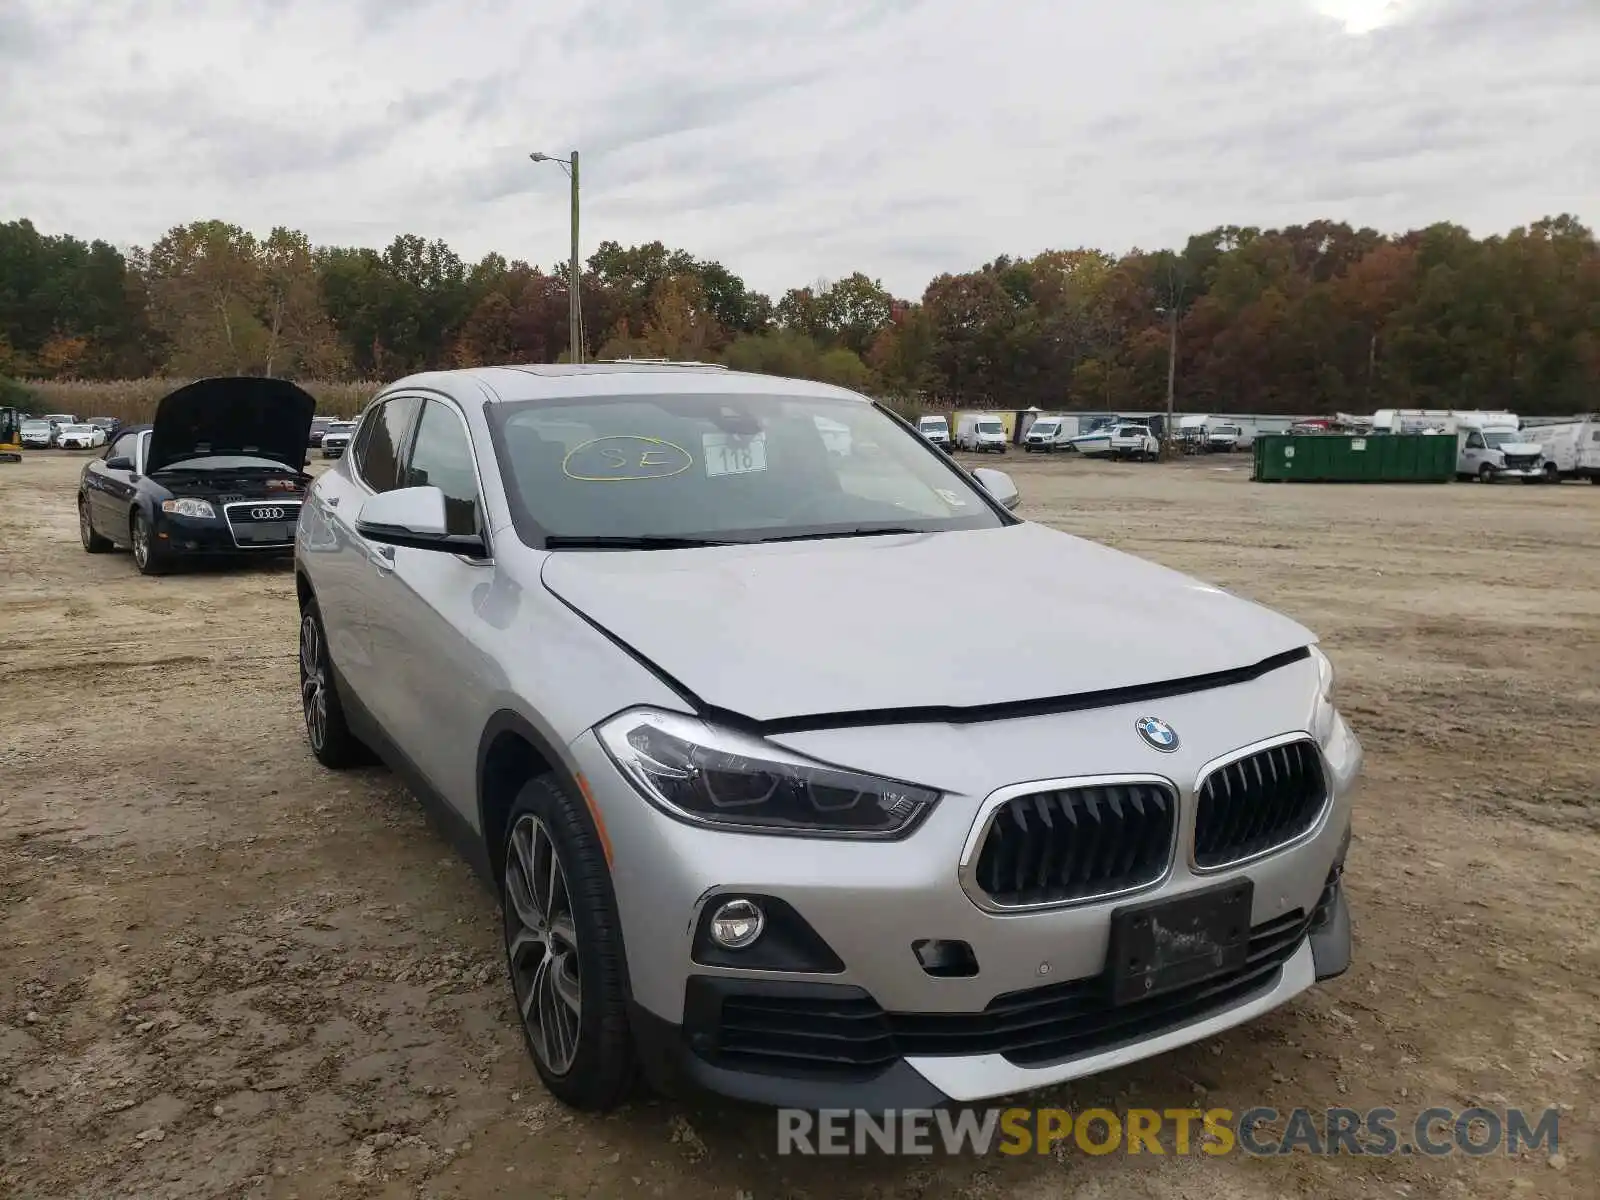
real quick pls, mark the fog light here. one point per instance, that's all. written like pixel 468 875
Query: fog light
pixel 737 924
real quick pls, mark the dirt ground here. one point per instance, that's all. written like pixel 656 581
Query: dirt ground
pixel 227 972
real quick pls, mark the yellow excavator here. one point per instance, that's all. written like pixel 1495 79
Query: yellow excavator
pixel 10 435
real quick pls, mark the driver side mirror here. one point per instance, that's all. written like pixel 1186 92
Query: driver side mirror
pixel 414 517
pixel 119 463
pixel 998 484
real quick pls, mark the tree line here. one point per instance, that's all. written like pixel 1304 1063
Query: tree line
pixel 1311 318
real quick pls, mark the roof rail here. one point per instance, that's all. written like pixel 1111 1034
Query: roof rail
pixel 666 362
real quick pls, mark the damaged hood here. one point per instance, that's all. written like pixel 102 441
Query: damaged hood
pixel 241 415
pixel 930 621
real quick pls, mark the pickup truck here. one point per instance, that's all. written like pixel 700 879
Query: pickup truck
pixel 1135 442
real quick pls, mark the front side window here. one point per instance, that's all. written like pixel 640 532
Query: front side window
pixel 743 468
pixel 441 457
pixel 126 447
pixel 1475 442
pixel 382 442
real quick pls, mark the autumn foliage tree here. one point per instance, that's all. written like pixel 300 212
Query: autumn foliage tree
pixel 1318 317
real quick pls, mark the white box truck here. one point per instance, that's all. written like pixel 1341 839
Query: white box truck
pixel 1489 445
pixel 1568 449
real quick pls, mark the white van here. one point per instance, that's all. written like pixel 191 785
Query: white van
pixel 981 433
pixel 936 429
pixel 1050 433
pixel 1488 447
pixel 1568 449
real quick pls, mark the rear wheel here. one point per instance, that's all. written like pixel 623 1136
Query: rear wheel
pixel 564 949
pixel 92 541
pixel 1552 473
pixel 148 554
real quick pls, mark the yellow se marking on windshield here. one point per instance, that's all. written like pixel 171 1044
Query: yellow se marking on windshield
pixel 655 459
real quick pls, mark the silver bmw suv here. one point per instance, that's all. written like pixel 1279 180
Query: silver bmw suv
pixel 689 681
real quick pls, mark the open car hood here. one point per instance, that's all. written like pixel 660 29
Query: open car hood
pixel 232 415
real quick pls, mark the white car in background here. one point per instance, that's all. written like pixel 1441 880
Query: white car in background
pixel 80 437
pixel 38 434
pixel 336 438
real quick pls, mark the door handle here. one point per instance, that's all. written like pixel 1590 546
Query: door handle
pixel 331 501
pixel 382 557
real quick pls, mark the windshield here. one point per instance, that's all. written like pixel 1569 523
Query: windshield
pixel 723 467
pixel 77 429
pixel 1499 437
pixel 340 428
pixel 990 427
pixel 1225 430
pixel 934 423
pixel 1044 427
pixel 36 426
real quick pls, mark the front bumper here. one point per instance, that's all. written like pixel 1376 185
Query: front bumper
pixel 212 536
pixel 867 904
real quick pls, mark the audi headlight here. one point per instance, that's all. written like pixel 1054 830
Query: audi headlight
pixel 188 508
pixel 711 776
pixel 1325 714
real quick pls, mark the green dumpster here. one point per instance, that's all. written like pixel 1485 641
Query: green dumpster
pixel 1336 458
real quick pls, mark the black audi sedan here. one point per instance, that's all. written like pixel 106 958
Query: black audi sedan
pixel 220 472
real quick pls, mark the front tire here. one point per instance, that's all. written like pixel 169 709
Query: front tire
pixel 148 555
pixel 92 541
pixel 1486 474
pixel 327 731
pixel 564 951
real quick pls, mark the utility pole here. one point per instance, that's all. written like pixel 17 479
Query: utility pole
pixel 574 300
pixel 1172 373
pixel 1168 438
pixel 575 318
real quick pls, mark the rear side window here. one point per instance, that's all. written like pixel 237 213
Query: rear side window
pixel 380 442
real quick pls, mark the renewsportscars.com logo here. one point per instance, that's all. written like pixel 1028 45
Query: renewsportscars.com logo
pixel 1381 1132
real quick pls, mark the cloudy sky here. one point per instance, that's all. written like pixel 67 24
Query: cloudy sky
pixel 797 139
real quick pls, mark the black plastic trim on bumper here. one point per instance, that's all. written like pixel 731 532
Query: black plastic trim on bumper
pixel 673 1069
pixel 1331 941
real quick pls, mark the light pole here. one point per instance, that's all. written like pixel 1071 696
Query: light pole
pixel 1171 313
pixel 574 304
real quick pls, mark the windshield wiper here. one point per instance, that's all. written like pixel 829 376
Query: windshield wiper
pixel 648 541
pixel 863 531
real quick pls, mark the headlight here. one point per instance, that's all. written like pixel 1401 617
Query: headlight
pixel 1325 714
pixel 710 776
pixel 188 508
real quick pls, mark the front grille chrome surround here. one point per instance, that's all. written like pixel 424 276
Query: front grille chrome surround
pixel 1283 764
pixel 997 804
pixel 238 514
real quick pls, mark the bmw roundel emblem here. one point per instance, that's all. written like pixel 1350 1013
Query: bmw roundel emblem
pixel 1158 735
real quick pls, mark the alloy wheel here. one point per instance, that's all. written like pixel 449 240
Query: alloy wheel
pixel 141 542
pixel 85 530
pixel 542 944
pixel 313 682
